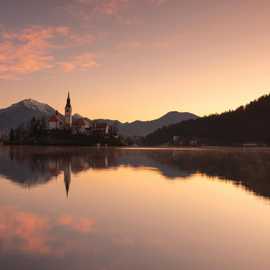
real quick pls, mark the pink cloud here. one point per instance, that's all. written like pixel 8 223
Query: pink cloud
pixel 84 61
pixel 32 49
pixel 27 51
pixel 135 45
pixel 86 8
pixel 111 7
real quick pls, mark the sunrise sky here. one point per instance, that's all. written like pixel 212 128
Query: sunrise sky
pixel 135 59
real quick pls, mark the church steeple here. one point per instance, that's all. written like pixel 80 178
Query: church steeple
pixel 68 113
pixel 68 101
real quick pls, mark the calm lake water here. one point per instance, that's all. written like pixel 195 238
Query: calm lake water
pixel 104 209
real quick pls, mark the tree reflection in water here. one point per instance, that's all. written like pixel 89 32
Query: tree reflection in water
pixel 31 166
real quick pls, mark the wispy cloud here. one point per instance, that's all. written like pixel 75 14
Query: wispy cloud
pixel 111 7
pixel 26 52
pixel 134 45
pixel 32 49
pixel 84 61
pixel 39 48
pixel 87 9
pixel 90 7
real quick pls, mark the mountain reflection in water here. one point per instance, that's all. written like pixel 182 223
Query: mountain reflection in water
pixel 31 166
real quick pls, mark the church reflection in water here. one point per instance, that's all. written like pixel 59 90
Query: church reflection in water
pixel 28 166
pixel 67 177
pixel 31 166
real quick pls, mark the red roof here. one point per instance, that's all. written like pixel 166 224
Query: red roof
pixel 79 123
pixel 53 118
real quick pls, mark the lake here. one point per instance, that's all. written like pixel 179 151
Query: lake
pixel 114 209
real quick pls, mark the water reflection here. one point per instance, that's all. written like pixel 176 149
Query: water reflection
pixel 135 209
pixel 33 233
pixel 31 166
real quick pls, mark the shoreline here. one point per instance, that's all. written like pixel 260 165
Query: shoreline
pixel 141 148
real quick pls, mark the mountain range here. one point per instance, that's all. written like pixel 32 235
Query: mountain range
pixel 24 111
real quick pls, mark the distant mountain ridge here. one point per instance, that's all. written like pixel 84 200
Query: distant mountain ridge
pixel 23 111
pixel 246 125
pixel 142 128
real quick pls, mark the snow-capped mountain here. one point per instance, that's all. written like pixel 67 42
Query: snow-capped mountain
pixel 24 111
pixel 36 106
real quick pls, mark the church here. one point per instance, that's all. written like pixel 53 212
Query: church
pixel 78 125
pixel 58 121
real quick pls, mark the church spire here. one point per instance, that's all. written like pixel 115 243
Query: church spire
pixel 68 113
pixel 68 100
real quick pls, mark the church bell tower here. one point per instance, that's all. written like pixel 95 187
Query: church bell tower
pixel 68 113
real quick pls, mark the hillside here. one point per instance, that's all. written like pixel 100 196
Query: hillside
pixel 246 124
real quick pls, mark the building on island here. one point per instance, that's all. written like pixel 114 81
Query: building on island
pixel 101 129
pixel 56 121
pixel 79 125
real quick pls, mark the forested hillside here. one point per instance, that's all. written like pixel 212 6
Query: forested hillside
pixel 246 124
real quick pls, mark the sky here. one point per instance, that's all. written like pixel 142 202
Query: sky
pixel 135 59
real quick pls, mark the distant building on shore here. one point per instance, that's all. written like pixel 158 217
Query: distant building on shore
pixel 78 125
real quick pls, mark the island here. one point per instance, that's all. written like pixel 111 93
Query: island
pixel 65 129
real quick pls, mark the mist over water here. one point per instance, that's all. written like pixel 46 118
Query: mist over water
pixel 88 208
